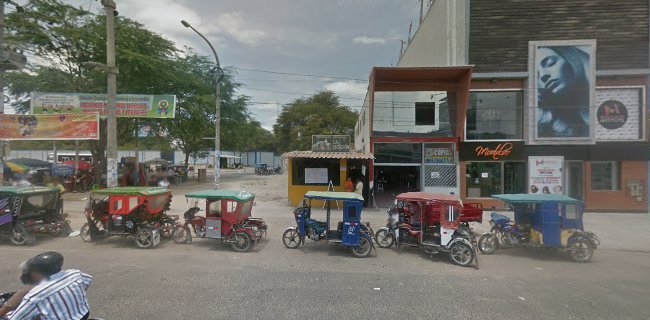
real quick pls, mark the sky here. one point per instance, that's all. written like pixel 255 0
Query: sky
pixel 334 38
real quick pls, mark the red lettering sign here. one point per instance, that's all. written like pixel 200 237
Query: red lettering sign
pixel 501 150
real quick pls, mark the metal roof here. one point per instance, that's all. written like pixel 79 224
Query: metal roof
pixel 26 190
pixel 145 191
pixel 221 194
pixel 534 198
pixel 328 155
pixel 428 196
pixel 332 195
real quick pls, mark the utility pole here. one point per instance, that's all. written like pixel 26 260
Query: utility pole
pixel 111 110
pixel 2 87
pixel 217 124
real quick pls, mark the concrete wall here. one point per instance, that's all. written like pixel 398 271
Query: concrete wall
pixel 442 39
pixel 362 128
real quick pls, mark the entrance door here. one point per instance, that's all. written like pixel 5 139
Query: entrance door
pixel 575 179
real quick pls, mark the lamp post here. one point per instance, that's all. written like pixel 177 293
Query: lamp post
pixel 217 120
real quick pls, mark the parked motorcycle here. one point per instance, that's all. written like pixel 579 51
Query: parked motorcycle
pixel 197 225
pixel 504 232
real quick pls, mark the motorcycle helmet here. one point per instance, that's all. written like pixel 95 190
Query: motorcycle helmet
pixel 47 263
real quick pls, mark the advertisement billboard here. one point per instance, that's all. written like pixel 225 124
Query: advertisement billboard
pixel 49 127
pixel 330 143
pixel 545 174
pixel 619 111
pixel 562 76
pixel 128 105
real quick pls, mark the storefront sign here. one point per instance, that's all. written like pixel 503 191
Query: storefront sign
pixel 128 105
pixel 501 150
pixel 619 113
pixel 330 143
pixel 316 175
pixel 49 127
pixel 439 153
pixel 545 174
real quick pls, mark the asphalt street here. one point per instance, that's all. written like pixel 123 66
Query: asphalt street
pixel 206 280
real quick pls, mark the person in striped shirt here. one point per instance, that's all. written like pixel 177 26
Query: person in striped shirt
pixel 58 294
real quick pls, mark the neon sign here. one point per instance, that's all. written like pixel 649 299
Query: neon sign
pixel 501 150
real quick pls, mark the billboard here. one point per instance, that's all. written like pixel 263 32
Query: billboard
pixel 128 105
pixel 562 79
pixel 330 143
pixel 619 111
pixel 49 127
pixel 545 174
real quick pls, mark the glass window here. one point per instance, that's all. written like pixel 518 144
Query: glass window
pixel 214 208
pixel 571 211
pixel 332 166
pixel 605 175
pixel 157 202
pixel 117 205
pixel 412 112
pixel 133 202
pixel 425 113
pixel 514 177
pixel 231 206
pixel 483 179
pixel 398 152
pixel 246 207
pixel 495 115
pixel 45 200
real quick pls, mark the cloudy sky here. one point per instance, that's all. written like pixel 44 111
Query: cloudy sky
pixel 337 38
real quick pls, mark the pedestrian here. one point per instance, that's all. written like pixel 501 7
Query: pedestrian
pixel 164 183
pixel 349 186
pixel 58 294
pixel 358 189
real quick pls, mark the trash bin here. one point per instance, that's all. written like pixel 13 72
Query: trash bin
pixel 202 175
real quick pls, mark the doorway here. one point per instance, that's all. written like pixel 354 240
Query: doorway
pixel 393 180
pixel 574 180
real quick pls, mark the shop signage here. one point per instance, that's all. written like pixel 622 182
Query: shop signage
pixel 439 153
pixel 330 143
pixel 49 127
pixel 316 175
pixel 545 174
pixel 495 153
pixel 619 113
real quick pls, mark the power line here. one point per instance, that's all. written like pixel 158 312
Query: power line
pixel 299 74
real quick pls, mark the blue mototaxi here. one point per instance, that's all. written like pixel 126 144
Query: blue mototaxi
pixel 541 220
pixel 350 233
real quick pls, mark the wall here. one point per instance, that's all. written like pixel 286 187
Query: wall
pixel 441 40
pixel 395 111
pixel 618 200
pixel 362 128
pixel 296 193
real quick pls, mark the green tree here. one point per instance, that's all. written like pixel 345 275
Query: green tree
pixel 321 113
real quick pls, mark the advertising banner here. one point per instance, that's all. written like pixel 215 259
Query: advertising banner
pixel 330 143
pixel 49 127
pixel 441 153
pixel 128 105
pixel 619 111
pixel 545 174
pixel 562 75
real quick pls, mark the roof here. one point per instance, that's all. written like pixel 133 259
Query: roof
pixel 26 190
pixel 327 155
pixel 146 191
pixel 330 195
pixel 528 198
pixel 428 196
pixel 221 194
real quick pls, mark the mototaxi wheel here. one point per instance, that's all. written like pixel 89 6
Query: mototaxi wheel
pixel 364 248
pixel 242 242
pixel 291 238
pixel 581 250
pixel 20 236
pixel 461 254
pixel 84 233
pixel 181 234
pixel 144 238
pixel 167 229
pixel 487 243
pixel 384 238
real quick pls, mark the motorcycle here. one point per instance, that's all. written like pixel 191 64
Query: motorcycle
pixel 197 224
pixel 387 236
pixel 503 231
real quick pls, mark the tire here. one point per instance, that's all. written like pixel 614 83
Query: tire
pixel 243 242
pixel 384 238
pixel 461 254
pixel 167 230
pixel 181 235
pixel 364 248
pixel 291 238
pixel 84 233
pixel 581 250
pixel 20 236
pixel 487 244
pixel 144 238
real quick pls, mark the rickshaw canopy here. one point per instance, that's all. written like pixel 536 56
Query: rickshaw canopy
pixel 143 191
pixel 27 190
pixel 429 197
pixel 535 198
pixel 333 195
pixel 221 194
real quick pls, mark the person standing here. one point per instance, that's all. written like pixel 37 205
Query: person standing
pixel 58 294
pixel 349 186
pixel 358 188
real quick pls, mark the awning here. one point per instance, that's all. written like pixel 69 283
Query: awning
pixel 327 155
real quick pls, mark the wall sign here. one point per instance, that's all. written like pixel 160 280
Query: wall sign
pixel 439 153
pixel 316 175
pixel 619 113
pixel 502 150
pixel 545 174
pixel 330 143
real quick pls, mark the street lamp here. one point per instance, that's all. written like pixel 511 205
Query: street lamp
pixel 217 124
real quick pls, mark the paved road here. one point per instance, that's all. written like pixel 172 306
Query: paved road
pixel 206 280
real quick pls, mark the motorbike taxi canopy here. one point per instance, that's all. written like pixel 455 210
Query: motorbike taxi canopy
pixel 145 191
pixel 534 198
pixel 332 195
pixel 221 194
pixel 26 190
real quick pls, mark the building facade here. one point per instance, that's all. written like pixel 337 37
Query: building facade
pixel 555 103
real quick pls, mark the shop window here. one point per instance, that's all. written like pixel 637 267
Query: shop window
pixel 514 177
pixel 495 115
pixel 484 179
pixel 425 113
pixel 306 171
pixel 398 152
pixel 605 175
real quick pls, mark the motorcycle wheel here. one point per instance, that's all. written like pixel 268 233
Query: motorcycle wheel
pixel 487 244
pixel 384 238
pixel 291 238
pixel 581 250
pixel 144 238
pixel 167 229
pixel 20 236
pixel 181 235
pixel 84 233
pixel 461 254
pixel 242 242
pixel 364 248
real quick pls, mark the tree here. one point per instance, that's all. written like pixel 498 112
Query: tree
pixel 321 113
